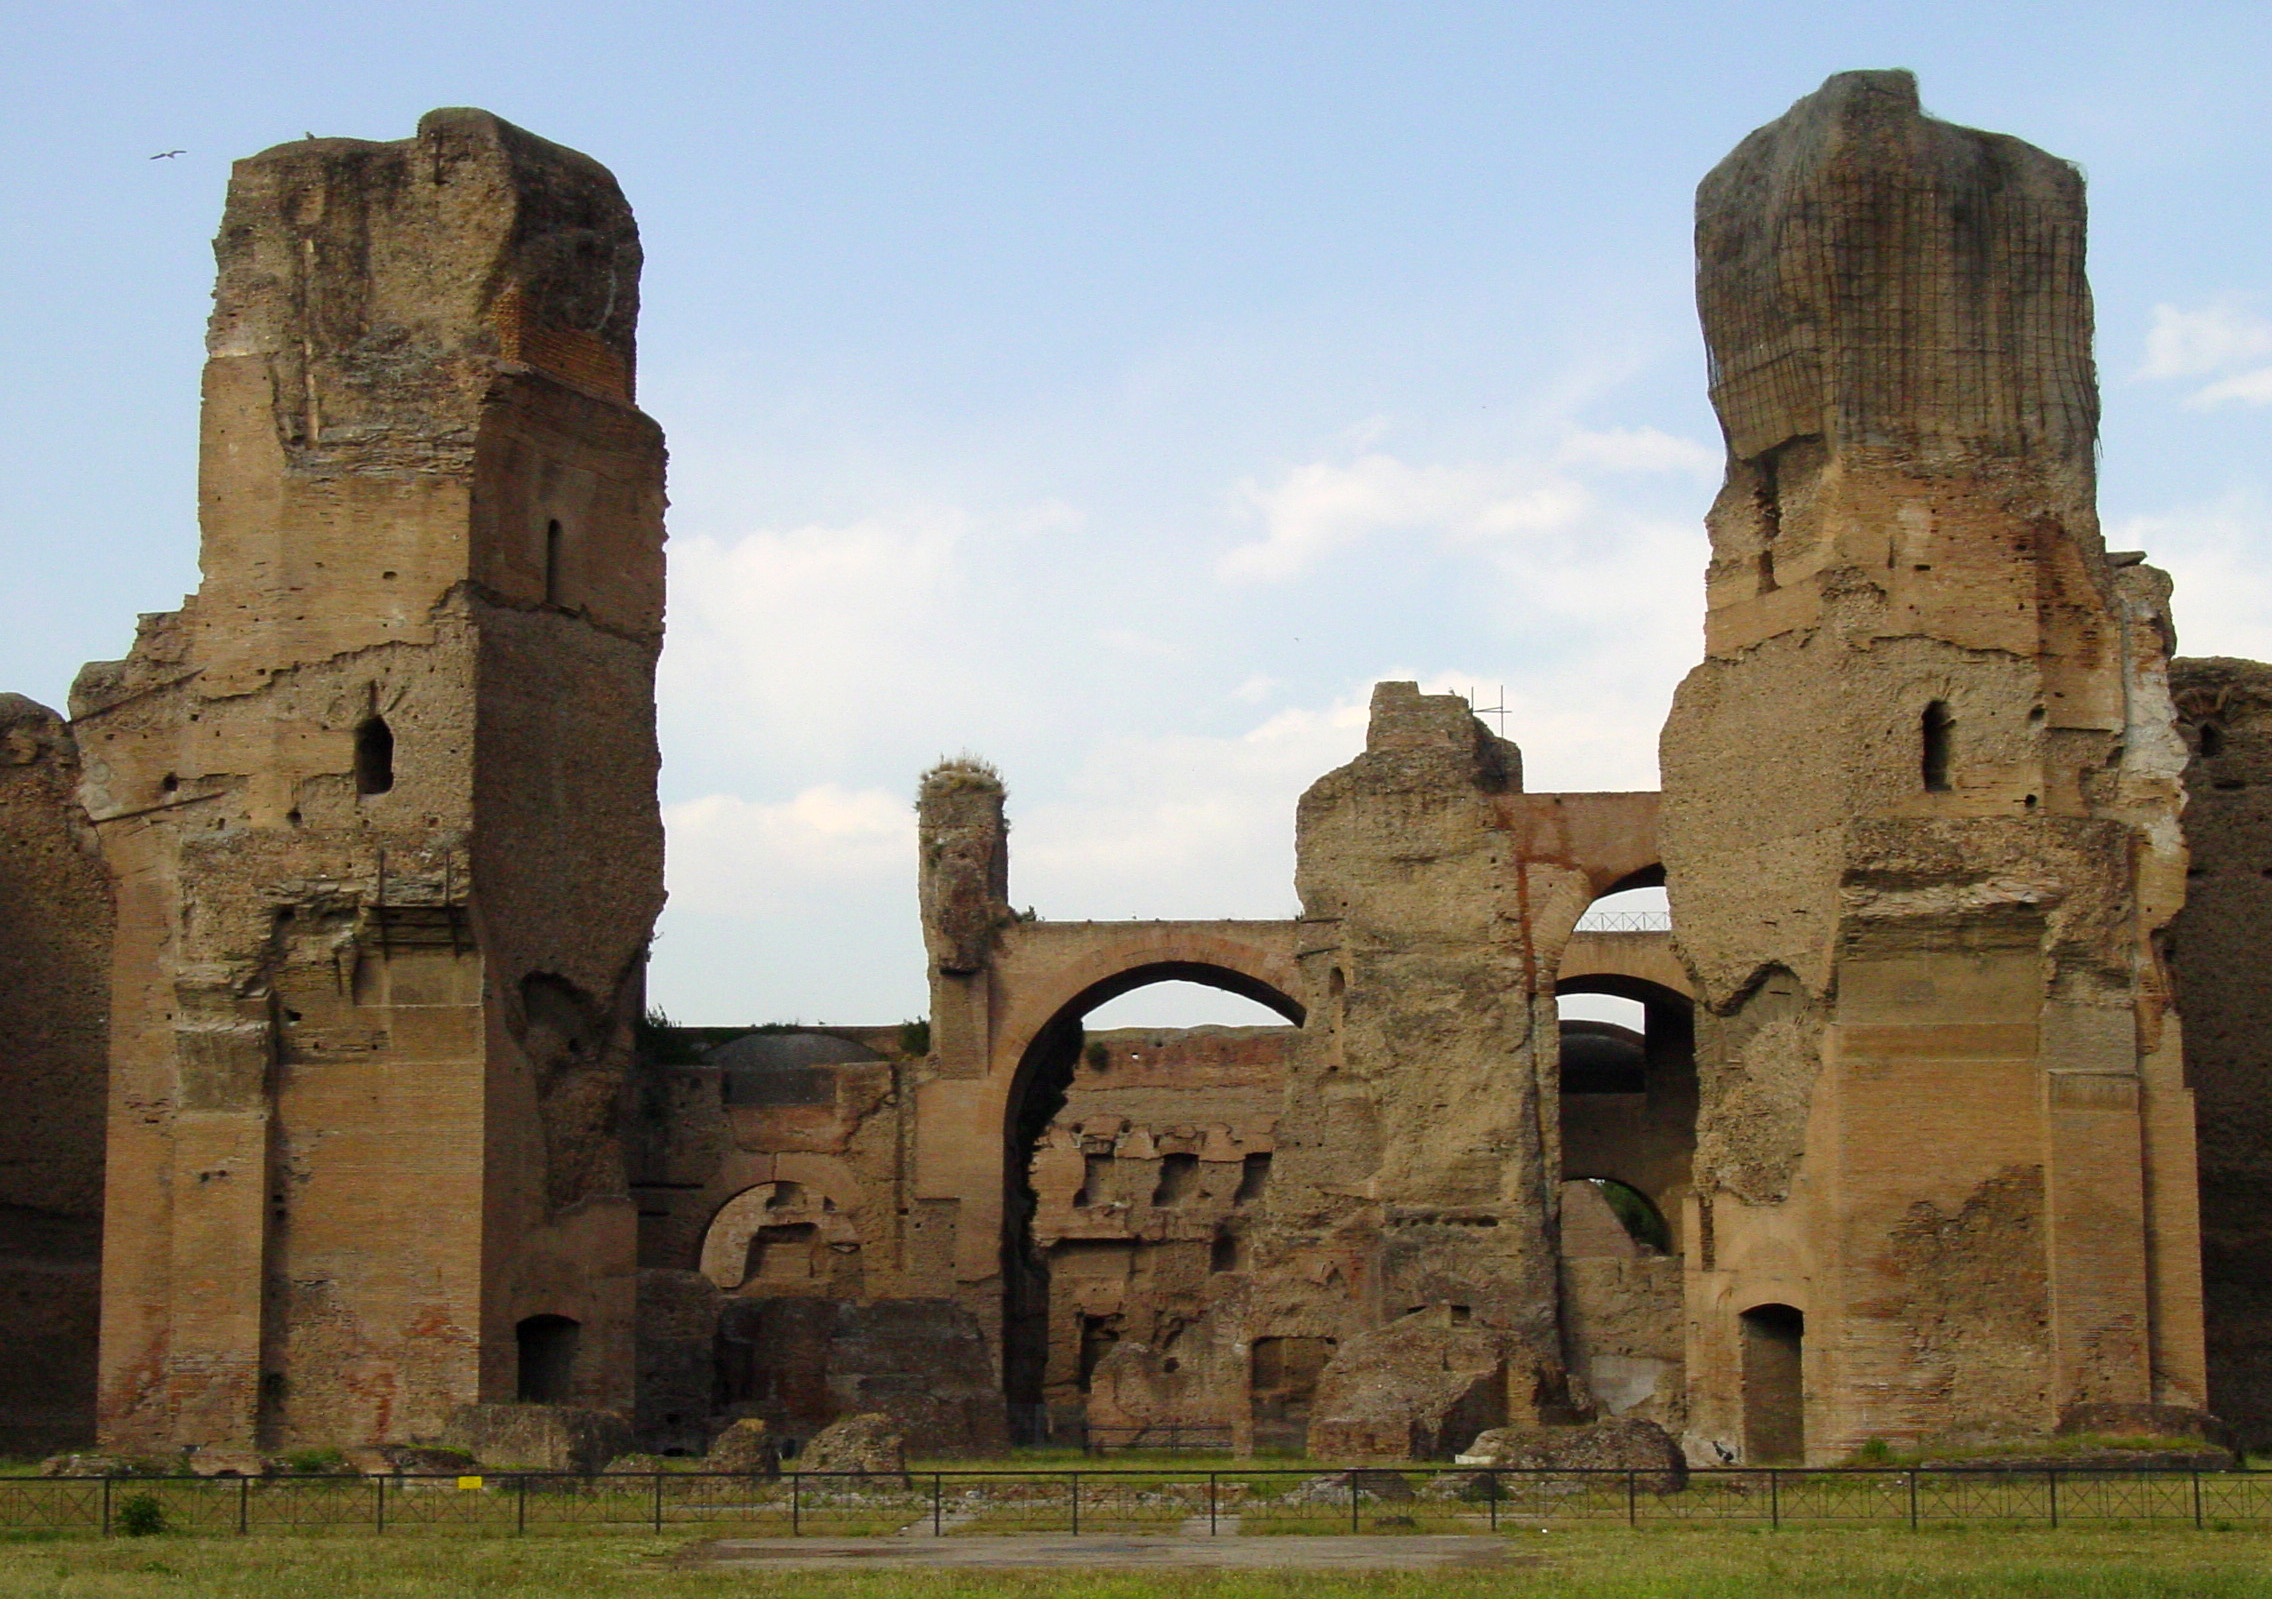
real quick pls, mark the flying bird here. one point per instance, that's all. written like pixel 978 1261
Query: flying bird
pixel 168 155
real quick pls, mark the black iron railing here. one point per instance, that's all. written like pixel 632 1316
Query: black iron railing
pixel 1139 1500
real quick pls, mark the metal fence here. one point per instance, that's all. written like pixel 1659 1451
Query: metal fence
pixel 1035 1426
pixel 1156 1500
pixel 1625 922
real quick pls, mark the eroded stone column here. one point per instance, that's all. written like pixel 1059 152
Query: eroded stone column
pixel 1920 815
pixel 1411 1212
pixel 380 802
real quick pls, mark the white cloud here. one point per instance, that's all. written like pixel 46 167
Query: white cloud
pixel 2217 338
pixel 782 639
pixel 1323 506
pixel 1639 450
pixel 2250 388
pixel 728 853
pixel 2188 344
pixel 1183 825
pixel 814 670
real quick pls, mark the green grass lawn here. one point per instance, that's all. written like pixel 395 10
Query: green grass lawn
pixel 1672 1563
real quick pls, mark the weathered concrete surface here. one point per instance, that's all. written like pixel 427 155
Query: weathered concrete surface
pixel 380 802
pixel 2224 983
pixel 1623 1313
pixel 55 932
pixel 1920 813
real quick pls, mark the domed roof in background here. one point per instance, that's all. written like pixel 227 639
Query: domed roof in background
pixel 1603 1058
pixel 766 1052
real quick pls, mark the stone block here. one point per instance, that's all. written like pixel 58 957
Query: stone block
pixel 870 1444
pixel 1620 1443
pixel 747 1448
pixel 540 1437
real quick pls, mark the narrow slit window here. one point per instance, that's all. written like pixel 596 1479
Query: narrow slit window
pixel 374 756
pixel 1939 729
pixel 552 563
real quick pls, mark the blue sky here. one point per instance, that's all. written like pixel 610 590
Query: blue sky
pixel 1115 390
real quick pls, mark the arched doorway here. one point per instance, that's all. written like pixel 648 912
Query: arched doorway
pixel 1629 1097
pixel 546 1351
pixel 1149 1180
pixel 1774 1386
pixel 1627 1116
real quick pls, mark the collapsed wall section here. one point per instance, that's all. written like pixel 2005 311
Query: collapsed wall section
pixel 380 802
pixel 1920 815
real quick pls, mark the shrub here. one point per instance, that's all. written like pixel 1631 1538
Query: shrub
pixel 140 1515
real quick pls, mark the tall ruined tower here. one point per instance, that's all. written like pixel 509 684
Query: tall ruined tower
pixel 1920 815
pixel 380 804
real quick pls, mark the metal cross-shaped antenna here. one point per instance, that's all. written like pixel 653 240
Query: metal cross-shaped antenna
pixel 1499 710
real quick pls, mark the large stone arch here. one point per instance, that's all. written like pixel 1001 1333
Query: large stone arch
pixel 1060 972
pixel 1037 981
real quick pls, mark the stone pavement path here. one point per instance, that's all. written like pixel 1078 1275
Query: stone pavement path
pixel 1105 1552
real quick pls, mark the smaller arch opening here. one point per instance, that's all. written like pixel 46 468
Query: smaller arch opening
pixel 374 756
pixel 1635 1212
pixel 2211 740
pixel 547 1349
pixel 1937 731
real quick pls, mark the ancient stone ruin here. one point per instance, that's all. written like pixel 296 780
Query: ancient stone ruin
pixel 1921 814
pixel 323 923
pixel 378 807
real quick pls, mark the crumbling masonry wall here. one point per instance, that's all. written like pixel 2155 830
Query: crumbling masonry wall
pixel 380 804
pixel 55 929
pixel 1920 814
